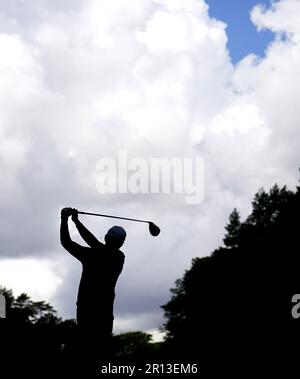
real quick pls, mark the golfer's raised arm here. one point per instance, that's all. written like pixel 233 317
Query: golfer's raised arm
pixel 87 236
pixel 72 247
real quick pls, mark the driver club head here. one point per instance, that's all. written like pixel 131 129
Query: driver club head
pixel 153 229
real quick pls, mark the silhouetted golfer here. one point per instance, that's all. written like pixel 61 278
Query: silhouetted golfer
pixel 102 265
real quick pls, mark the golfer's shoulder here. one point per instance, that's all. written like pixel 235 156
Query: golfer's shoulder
pixel 98 246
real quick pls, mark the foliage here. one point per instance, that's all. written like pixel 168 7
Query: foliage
pixel 22 309
pixel 135 346
pixel 227 296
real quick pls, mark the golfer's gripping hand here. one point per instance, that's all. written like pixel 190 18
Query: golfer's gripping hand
pixel 74 215
pixel 66 212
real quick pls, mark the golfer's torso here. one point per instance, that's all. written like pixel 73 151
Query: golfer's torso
pixel 100 272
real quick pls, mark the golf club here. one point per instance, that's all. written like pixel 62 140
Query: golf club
pixel 153 229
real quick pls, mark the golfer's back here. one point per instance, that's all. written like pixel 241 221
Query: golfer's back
pixel 101 268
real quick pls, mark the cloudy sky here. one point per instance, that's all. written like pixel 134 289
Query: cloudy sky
pixel 83 79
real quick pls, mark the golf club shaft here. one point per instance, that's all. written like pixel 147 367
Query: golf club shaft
pixel 122 218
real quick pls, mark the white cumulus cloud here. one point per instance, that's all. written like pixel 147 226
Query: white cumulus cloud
pixel 82 80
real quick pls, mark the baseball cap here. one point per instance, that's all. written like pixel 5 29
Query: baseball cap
pixel 118 232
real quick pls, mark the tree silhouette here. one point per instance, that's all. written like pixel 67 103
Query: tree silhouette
pixel 235 305
pixel 37 338
pixel 135 347
pixel 23 310
pixel 233 229
pixel 33 335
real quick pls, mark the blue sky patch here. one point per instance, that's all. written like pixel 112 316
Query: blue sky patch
pixel 243 38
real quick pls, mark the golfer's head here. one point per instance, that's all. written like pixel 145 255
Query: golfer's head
pixel 115 237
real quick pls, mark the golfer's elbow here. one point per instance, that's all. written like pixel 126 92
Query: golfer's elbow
pixel 65 242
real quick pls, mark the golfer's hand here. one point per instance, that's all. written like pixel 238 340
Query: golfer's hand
pixel 66 212
pixel 74 214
